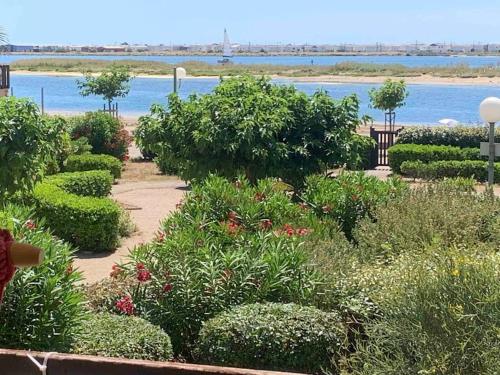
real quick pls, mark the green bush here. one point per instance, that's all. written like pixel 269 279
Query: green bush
pixel 43 307
pixel 27 145
pixel 130 337
pixel 360 155
pixel 89 223
pixel 400 153
pixel 448 168
pixel 458 136
pixel 146 136
pixel 79 163
pixel 350 196
pixel 441 317
pixel 89 183
pixel 249 125
pixel 105 133
pixel 273 336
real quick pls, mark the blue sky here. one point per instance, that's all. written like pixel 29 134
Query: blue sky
pixel 256 21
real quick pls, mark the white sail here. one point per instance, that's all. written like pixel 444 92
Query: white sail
pixel 227 52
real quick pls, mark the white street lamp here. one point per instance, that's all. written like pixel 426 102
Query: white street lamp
pixel 490 113
pixel 179 73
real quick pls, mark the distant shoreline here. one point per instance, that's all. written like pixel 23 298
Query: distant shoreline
pixel 327 79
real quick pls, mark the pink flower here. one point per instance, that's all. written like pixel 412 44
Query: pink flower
pixel 266 224
pixel 125 305
pixel 140 266
pixel 233 227
pixel 143 275
pixel 30 224
pixel 167 288
pixel 288 229
pixel 303 231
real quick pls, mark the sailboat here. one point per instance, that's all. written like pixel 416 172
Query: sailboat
pixel 227 52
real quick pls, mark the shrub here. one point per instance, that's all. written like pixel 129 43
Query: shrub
pixel 360 155
pixel 440 213
pixel 458 136
pixel 130 337
pixel 105 133
pixel 42 307
pixel 250 126
pixel 89 183
pixel 146 136
pixel 274 337
pixel 449 168
pixel 400 153
pixel 349 197
pixel 87 222
pixel 442 317
pixel 78 163
pixel 26 145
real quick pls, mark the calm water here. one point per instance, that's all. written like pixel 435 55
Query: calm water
pixel 410 61
pixel 426 103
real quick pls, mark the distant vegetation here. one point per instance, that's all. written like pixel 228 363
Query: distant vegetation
pixel 196 68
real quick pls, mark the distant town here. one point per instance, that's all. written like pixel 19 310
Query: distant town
pixel 217 48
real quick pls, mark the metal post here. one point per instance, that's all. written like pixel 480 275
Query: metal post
pixel 491 157
pixel 43 102
pixel 175 80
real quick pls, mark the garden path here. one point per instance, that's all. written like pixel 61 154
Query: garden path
pixel 149 197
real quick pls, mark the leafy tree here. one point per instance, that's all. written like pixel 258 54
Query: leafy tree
pixel 249 125
pixel 113 82
pixel 391 95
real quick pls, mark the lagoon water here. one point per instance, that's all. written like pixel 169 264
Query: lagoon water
pixel 410 61
pixel 426 104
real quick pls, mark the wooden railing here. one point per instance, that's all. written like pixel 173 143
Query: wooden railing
pixel 4 77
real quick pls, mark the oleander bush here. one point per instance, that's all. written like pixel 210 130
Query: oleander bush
pixel 90 223
pixel 350 196
pixel 110 335
pixel 146 137
pixel 250 126
pixel 43 307
pixel 96 183
pixel 105 133
pixel 476 169
pixel 400 153
pixel 273 336
pixel 88 162
pixel 458 136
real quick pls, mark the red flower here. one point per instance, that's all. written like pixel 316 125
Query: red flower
pixel 167 288
pixel 143 275
pixel 30 224
pixel 160 236
pixel 303 231
pixel 326 209
pixel 116 271
pixel 288 229
pixel 125 305
pixel 266 224
pixel 259 197
pixel 140 266
pixel 233 227
pixel 69 269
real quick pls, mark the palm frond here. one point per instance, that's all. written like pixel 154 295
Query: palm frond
pixel 3 36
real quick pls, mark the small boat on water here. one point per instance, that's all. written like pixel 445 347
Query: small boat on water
pixel 227 52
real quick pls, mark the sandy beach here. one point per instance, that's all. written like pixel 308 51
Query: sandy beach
pixel 333 79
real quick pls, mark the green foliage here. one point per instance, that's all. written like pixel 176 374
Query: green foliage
pixel 441 317
pixel 359 156
pixel 89 183
pixel 129 337
pixel 249 125
pixel 458 136
pixel 448 168
pixel 105 133
pixel 112 83
pixel 90 223
pixel 27 144
pixel 272 336
pixel 350 196
pixel 391 95
pixel 146 136
pixel 88 162
pixel 42 306
pixel 400 153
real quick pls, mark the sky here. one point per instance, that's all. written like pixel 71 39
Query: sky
pixel 256 21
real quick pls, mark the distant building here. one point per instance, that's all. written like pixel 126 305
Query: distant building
pixel 14 48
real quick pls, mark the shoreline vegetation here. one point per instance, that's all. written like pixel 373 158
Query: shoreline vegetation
pixel 345 72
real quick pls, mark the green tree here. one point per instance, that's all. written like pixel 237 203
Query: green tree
pixel 112 83
pixel 249 125
pixel 391 95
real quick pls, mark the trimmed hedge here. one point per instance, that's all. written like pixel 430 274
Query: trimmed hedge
pixel 90 223
pixel 460 136
pixel 130 337
pixel 88 183
pixel 89 162
pixel 400 153
pixel 449 168
pixel 273 336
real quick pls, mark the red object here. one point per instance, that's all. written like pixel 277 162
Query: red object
pixel 125 305
pixel 7 268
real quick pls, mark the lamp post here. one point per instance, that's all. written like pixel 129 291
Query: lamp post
pixel 490 113
pixel 179 73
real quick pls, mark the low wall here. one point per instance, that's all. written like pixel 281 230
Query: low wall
pixel 16 362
